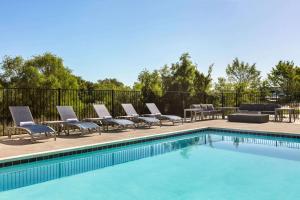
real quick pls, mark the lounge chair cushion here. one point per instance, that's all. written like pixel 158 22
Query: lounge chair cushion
pixel 107 117
pixel 149 119
pixel 38 128
pixel 72 120
pixel 84 125
pixel 172 117
pixel 122 122
pixel 26 123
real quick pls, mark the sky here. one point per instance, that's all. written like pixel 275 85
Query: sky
pixel 117 39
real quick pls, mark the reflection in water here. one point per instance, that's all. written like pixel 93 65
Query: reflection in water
pixel 209 139
pixel 42 172
pixel 236 141
pixel 38 172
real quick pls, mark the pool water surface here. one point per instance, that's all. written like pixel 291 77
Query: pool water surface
pixel 206 165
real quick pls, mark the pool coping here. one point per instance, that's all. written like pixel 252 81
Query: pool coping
pixel 32 157
pixel 44 155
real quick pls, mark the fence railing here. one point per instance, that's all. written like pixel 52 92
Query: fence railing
pixel 43 102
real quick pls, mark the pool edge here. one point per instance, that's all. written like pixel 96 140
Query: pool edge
pixel 44 155
pixel 13 160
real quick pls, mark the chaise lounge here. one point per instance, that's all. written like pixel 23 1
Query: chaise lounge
pixel 24 121
pixel 134 116
pixel 107 120
pixel 70 119
pixel 157 114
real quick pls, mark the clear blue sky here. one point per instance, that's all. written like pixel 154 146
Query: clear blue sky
pixel 110 38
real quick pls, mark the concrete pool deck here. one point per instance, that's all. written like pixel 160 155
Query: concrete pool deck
pixel 21 145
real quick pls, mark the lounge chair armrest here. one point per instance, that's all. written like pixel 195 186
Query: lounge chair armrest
pixel 124 117
pixel 95 119
pixel 150 115
pixel 14 128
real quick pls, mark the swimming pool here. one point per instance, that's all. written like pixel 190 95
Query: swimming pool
pixel 210 164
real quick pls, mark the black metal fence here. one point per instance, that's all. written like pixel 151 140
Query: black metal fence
pixel 43 102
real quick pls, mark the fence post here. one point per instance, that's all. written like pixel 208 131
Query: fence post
pixel 113 103
pixel 3 111
pixel 236 98
pixel 59 96
pixel 182 101
pixel 223 103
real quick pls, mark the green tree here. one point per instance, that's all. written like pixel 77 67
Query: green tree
pixel 243 76
pixel 183 74
pixel 111 84
pixel 11 69
pixel 55 74
pixel 42 71
pixel 202 82
pixel 176 86
pixel 150 84
pixel 222 85
pixel 285 75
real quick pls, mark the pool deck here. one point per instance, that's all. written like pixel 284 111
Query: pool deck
pixel 19 146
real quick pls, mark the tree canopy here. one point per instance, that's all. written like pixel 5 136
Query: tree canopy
pixel 181 76
pixel 240 76
pixel 49 71
pixel 286 76
pixel 42 71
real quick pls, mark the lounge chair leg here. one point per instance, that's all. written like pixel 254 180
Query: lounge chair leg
pixel 32 138
pixel 55 136
pixel 9 133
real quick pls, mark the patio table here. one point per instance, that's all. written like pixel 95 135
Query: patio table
pixel 193 112
pixel 227 108
pixel 57 123
pixel 280 111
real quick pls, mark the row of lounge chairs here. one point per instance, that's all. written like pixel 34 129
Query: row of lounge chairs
pixel 24 121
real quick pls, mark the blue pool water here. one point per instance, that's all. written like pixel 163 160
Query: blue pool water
pixel 204 165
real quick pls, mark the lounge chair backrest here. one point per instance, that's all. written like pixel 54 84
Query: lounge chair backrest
pixel 129 109
pixel 153 108
pixel 207 107
pixel 21 114
pixel 66 113
pixel 102 111
pixel 198 106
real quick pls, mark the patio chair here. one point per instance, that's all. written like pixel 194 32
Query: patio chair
pixel 134 116
pixel 24 121
pixel 70 119
pixel 156 113
pixel 107 120
pixel 206 110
